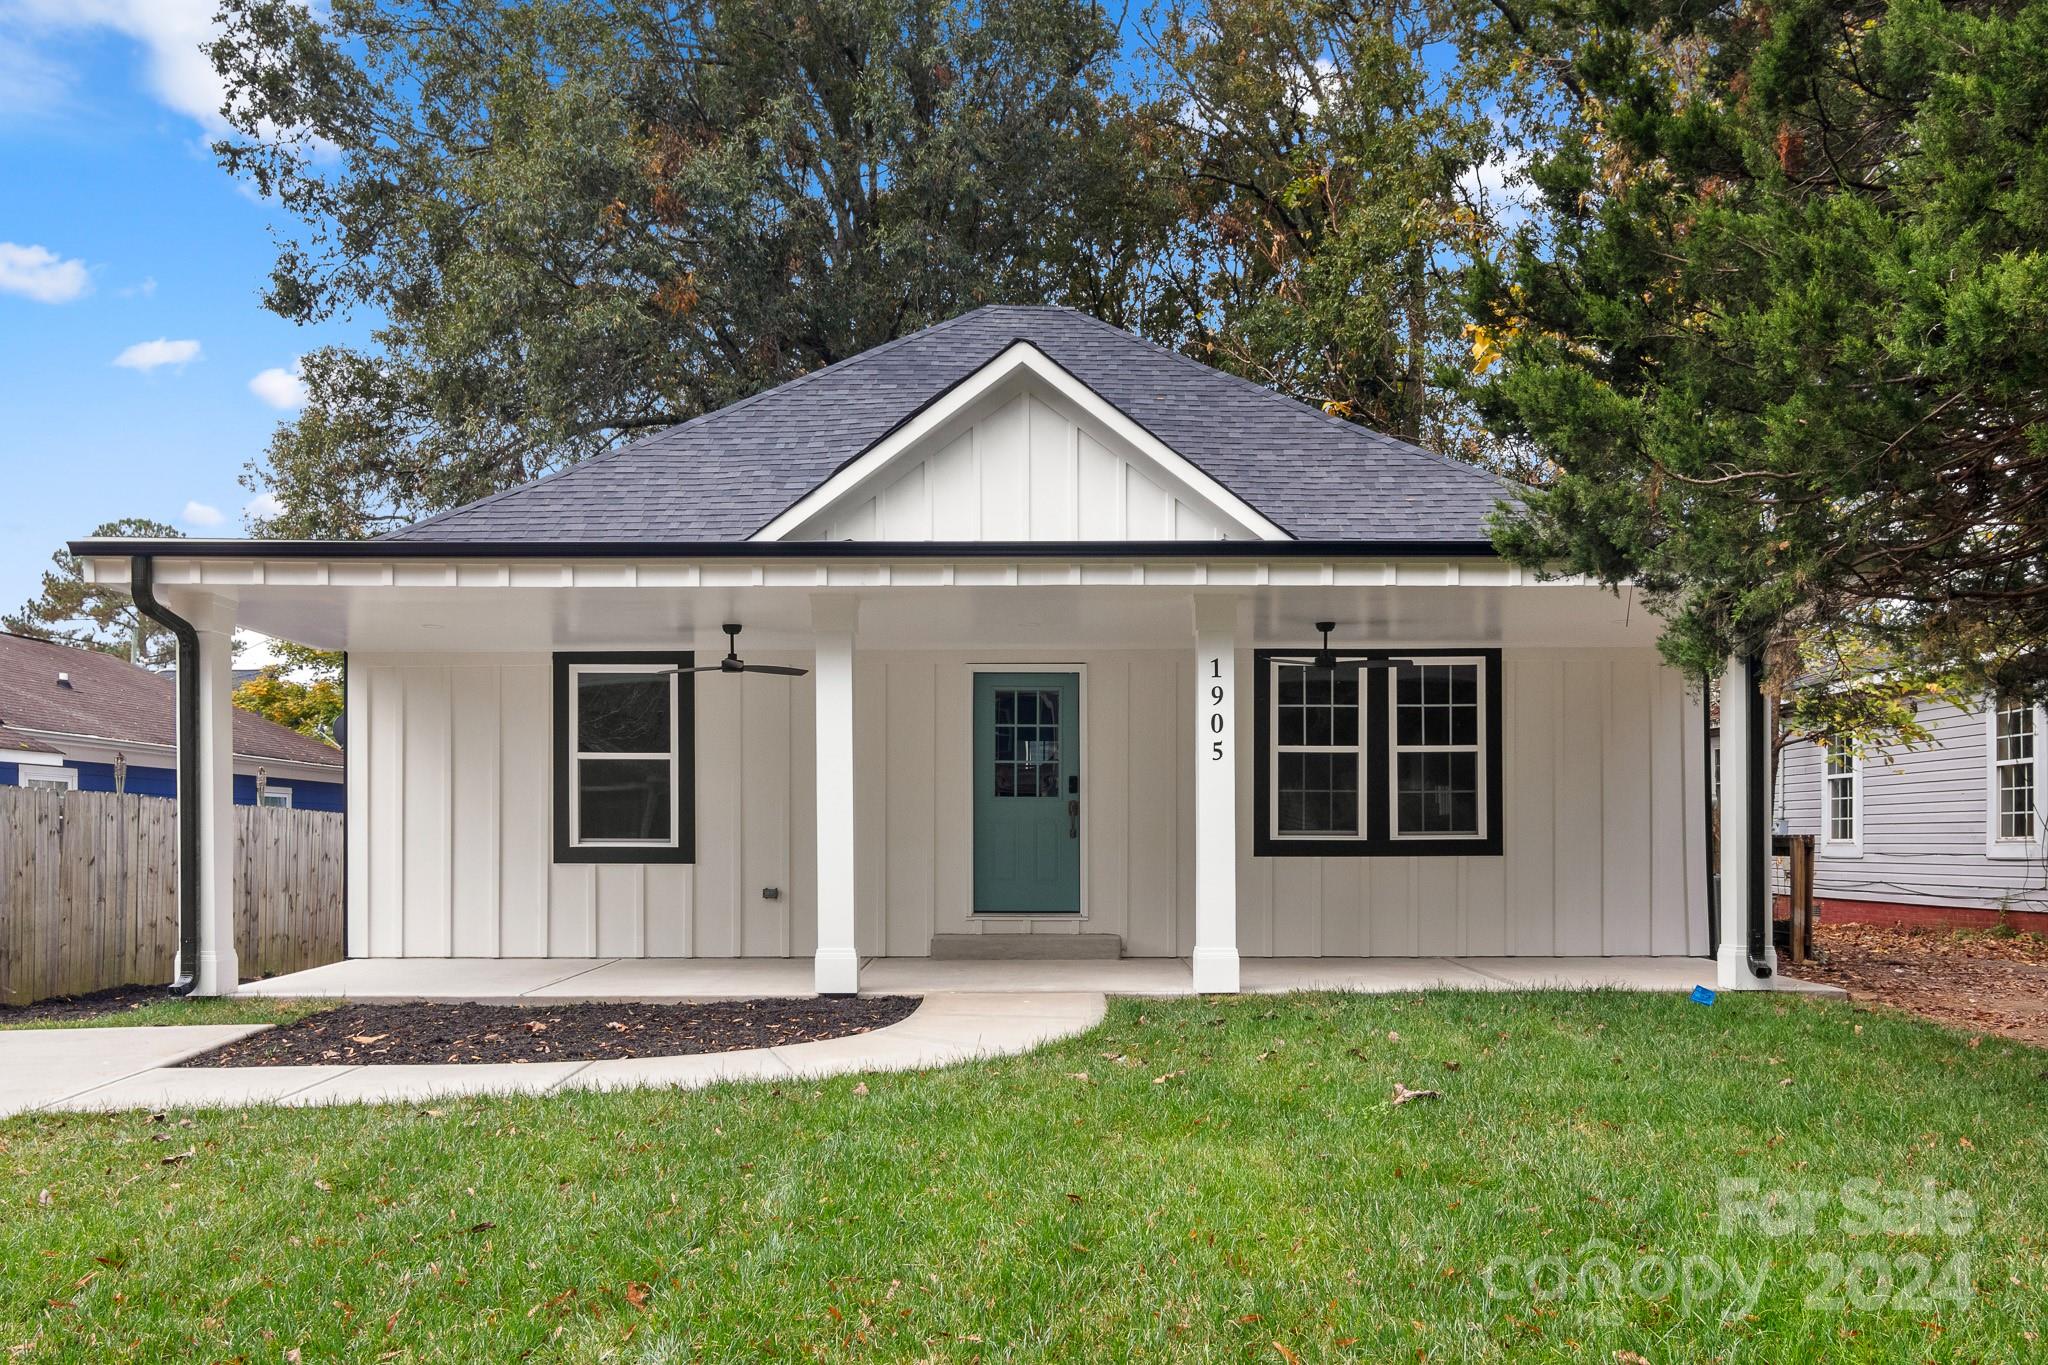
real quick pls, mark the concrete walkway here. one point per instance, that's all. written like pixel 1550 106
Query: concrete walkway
pixel 130 1068
pixel 531 980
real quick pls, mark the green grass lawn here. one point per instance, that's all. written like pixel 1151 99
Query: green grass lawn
pixel 1194 1180
pixel 170 1009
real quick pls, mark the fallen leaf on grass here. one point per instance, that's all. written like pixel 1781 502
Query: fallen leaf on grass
pixel 175 1157
pixel 1629 1358
pixel 861 1089
pixel 1402 1094
pixel 1290 1357
pixel 1162 1080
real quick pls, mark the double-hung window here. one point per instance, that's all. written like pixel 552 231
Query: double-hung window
pixel 623 762
pixel 1385 754
pixel 1841 815
pixel 2015 773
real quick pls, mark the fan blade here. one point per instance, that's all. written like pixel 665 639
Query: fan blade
pixel 704 668
pixel 778 669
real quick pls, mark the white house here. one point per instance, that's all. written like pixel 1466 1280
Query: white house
pixel 1046 601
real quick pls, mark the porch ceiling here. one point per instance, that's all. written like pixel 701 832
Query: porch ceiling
pixel 464 608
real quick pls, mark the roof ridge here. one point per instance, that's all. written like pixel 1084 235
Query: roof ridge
pixel 1295 405
pixel 689 422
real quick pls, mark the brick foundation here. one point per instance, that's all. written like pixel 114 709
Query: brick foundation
pixel 1897 915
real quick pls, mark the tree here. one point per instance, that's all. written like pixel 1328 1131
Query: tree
pixel 310 707
pixel 581 220
pixel 1332 171
pixel 71 611
pixel 1782 330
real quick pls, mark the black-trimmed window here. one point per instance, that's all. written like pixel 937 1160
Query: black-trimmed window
pixel 1391 753
pixel 624 770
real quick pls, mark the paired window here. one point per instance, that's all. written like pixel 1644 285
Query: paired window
pixel 1841 796
pixel 2015 814
pixel 623 762
pixel 1383 754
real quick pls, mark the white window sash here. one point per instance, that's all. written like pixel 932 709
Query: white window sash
pixel 47 776
pixel 1830 843
pixel 1395 749
pixel 1997 843
pixel 1276 749
pixel 577 757
pixel 277 798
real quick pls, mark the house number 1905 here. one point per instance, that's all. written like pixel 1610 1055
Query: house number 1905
pixel 1216 710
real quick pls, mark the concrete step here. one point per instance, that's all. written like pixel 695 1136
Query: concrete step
pixel 1026 947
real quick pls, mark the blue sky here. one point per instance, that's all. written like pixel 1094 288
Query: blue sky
pixel 117 233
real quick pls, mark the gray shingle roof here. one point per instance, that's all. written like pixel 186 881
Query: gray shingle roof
pixel 723 476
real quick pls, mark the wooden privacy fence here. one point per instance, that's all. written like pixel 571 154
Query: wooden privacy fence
pixel 89 891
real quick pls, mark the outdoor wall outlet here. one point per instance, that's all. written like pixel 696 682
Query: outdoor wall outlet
pixel 771 893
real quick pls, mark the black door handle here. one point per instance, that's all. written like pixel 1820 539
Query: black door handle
pixel 1073 819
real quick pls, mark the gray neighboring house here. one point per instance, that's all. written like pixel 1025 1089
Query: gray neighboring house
pixel 1950 832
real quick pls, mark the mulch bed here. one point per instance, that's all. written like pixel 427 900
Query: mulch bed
pixel 397 1035
pixel 113 1000
pixel 1968 979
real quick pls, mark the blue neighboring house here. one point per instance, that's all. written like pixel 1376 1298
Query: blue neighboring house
pixel 86 721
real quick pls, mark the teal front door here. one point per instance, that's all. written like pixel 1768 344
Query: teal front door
pixel 1027 793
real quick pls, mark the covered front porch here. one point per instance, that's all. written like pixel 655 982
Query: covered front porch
pixel 826 826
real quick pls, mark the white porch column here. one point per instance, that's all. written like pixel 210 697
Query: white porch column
pixel 219 968
pixel 1216 744
pixel 1745 823
pixel 838 964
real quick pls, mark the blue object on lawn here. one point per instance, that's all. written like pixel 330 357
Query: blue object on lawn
pixel 1702 996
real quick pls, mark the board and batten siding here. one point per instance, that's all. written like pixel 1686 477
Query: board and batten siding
pixel 1603 847
pixel 1027 468
pixel 1926 823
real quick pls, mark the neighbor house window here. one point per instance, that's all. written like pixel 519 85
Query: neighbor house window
pixel 2015 796
pixel 49 778
pixel 1383 754
pixel 278 798
pixel 1841 797
pixel 623 779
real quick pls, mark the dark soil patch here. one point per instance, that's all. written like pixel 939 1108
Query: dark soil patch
pixel 1975 980
pixel 112 1000
pixel 396 1035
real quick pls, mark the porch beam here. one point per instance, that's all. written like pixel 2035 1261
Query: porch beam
pixel 1745 959
pixel 837 969
pixel 1216 744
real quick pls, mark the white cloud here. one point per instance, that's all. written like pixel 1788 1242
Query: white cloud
pixel 201 514
pixel 1500 180
pixel 31 82
pixel 262 507
pixel 150 355
pixel 145 289
pixel 39 273
pixel 171 33
pixel 279 387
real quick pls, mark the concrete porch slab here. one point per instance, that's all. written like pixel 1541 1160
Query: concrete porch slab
pixel 427 978
pixel 670 978
pixel 559 980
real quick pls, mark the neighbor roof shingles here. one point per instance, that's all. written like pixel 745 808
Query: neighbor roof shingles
pixel 723 476
pixel 109 698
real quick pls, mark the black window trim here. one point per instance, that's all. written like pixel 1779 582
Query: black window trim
pixel 685 795
pixel 1379 840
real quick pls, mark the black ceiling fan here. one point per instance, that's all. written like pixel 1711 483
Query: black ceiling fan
pixel 1327 658
pixel 732 662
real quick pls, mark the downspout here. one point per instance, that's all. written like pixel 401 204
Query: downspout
pixel 1758 872
pixel 1713 868
pixel 142 587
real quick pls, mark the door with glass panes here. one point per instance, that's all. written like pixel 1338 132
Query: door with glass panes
pixel 1027 793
